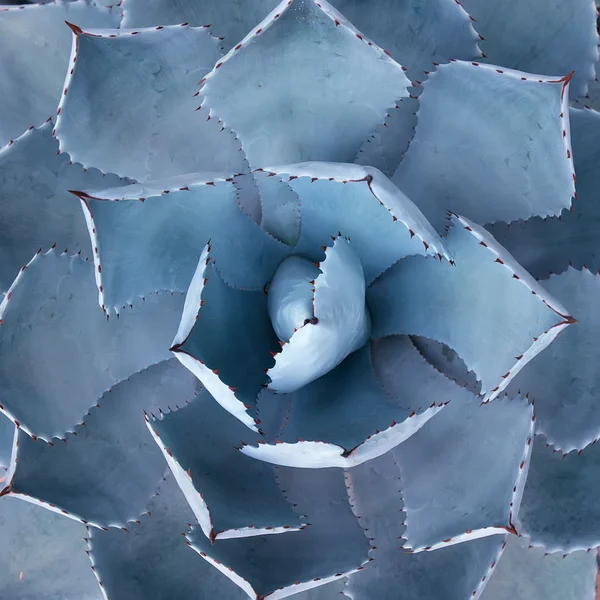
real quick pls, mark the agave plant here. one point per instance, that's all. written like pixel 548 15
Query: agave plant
pixel 298 315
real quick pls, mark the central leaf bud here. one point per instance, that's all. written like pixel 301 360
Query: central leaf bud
pixel 318 312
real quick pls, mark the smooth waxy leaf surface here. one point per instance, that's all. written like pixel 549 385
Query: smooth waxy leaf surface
pixel 530 573
pixel 35 45
pixel 560 507
pixel 290 296
pixel 232 19
pixel 231 495
pixel 563 378
pixel 108 468
pixel 545 246
pixel 151 559
pixel 332 547
pixel 377 398
pixel 281 213
pixel 463 472
pixel 592 98
pixel 58 351
pixel 156 244
pixel 343 198
pixel 416 33
pixel 386 146
pixel 225 338
pixel 454 572
pixel 43 555
pixel 338 322
pixel 132 92
pixel 552 37
pixel 500 153
pixel 7 434
pixel 486 307
pixel 303 49
pixel 35 206
pixel 448 362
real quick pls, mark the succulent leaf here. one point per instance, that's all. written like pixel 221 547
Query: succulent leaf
pixel 447 362
pixel 489 158
pixel 416 33
pixel 38 543
pixel 230 18
pixel 453 572
pixel 342 198
pixel 151 560
pixel 225 338
pixel 291 295
pixel 273 344
pixel 377 398
pixel 108 469
pixel 550 245
pixel 386 146
pixel 281 212
pixel 331 548
pixel 231 495
pixel 553 38
pixel 142 82
pixel 560 509
pixel 495 330
pixel 33 73
pixel 7 435
pixel 35 207
pixel 463 472
pixel 564 379
pixel 155 244
pixel 592 98
pixel 419 33
pixel 338 322
pixel 58 352
pixel 303 49
pixel 525 572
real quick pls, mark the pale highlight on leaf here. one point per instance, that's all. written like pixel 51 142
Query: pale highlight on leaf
pixel 376 399
pixel 337 325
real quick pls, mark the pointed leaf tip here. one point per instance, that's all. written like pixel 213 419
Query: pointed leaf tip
pixel 495 171
pixel 74 28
